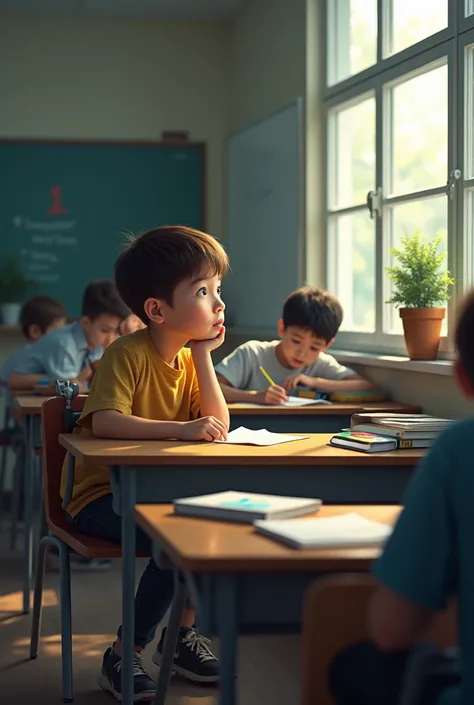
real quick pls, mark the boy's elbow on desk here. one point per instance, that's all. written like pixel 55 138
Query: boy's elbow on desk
pixel 104 423
pixel 21 382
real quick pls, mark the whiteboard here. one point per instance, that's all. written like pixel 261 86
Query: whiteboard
pixel 264 218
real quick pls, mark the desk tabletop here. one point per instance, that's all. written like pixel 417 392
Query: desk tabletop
pixel 29 404
pixel 312 450
pixel 215 546
pixel 335 409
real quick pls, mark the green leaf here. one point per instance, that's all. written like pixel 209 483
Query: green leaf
pixel 14 285
pixel 418 276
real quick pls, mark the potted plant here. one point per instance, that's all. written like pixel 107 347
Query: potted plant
pixel 14 285
pixel 420 288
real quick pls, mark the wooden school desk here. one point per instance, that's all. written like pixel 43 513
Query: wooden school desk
pixel 317 418
pixel 26 410
pixel 231 557
pixel 160 471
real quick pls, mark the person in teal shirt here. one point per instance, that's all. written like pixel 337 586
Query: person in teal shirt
pixel 428 559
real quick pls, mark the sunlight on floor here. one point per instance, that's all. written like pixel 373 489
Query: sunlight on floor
pixel 83 645
pixel 13 601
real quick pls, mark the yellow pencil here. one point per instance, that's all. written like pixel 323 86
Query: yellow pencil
pixel 267 377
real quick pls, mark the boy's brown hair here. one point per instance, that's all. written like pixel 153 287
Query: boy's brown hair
pixel 464 336
pixel 156 261
pixel 41 311
pixel 101 297
pixel 315 310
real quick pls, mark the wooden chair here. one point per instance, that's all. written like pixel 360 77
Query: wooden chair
pixel 335 616
pixel 62 534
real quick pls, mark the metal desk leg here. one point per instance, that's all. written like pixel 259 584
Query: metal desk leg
pixel 28 515
pixel 226 607
pixel 128 495
pixel 171 639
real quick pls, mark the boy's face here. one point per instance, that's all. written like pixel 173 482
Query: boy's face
pixel 102 331
pixel 197 312
pixel 300 347
pixel 131 324
pixel 35 332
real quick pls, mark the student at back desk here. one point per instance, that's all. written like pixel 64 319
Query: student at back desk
pixel 308 327
pixel 150 386
pixel 67 353
pixel 38 316
pixel 427 560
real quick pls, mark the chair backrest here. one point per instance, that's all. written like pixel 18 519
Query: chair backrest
pixel 53 422
pixel 334 617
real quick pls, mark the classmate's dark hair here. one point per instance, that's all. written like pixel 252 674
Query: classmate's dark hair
pixel 315 310
pixel 41 311
pixel 101 296
pixel 155 262
pixel 464 336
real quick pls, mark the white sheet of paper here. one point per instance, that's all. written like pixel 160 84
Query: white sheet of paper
pixel 302 401
pixel 262 437
pixel 345 530
pixel 292 402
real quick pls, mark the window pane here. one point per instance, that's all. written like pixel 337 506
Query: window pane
pixel 430 216
pixel 469 236
pixel 468 8
pixel 469 113
pixel 419 132
pixel 352 163
pixel 410 22
pixel 352 29
pixel 354 269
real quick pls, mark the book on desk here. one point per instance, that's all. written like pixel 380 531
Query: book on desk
pixel 371 433
pixel 349 530
pixel 245 507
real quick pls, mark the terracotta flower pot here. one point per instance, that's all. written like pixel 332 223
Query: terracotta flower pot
pixel 422 328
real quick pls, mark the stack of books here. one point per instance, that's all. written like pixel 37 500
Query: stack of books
pixel 372 433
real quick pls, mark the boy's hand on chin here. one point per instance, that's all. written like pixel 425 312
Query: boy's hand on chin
pixel 202 346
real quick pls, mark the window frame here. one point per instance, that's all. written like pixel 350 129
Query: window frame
pixel 449 43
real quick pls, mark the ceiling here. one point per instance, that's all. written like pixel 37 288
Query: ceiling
pixel 156 9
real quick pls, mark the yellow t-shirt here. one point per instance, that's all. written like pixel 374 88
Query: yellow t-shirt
pixel 134 379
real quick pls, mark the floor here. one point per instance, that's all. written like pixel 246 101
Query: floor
pixel 268 666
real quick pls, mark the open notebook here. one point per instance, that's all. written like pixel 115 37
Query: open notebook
pixel 292 402
pixel 262 437
pixel 344 531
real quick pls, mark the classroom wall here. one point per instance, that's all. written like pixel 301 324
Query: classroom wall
pixel 268 57
pixel 118 79
pixel 275 58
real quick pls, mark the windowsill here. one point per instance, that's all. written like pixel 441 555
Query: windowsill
pixel 435 367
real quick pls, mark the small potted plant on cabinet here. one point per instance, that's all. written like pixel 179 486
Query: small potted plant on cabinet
pixel 14 286
pixel 421 289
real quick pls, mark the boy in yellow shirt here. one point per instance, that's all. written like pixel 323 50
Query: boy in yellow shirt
pixel 149 386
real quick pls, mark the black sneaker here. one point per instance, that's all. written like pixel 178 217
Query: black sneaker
pixel 110 678
pixel 194 659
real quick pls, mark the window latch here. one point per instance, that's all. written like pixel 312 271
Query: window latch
pixel 454 177
pixel 374 202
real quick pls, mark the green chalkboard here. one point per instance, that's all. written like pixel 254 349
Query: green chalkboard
pixel 64 207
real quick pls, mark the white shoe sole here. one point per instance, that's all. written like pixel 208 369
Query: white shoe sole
pixel 104 683
pixel 189 675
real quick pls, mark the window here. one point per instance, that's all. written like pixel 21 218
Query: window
pixel 407 23
pixel 400 139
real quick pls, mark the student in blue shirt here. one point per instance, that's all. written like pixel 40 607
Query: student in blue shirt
pixel 38 316
pixel 427 560
pixel 68 352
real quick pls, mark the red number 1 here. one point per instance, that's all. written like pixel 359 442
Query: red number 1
pixel 56 208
